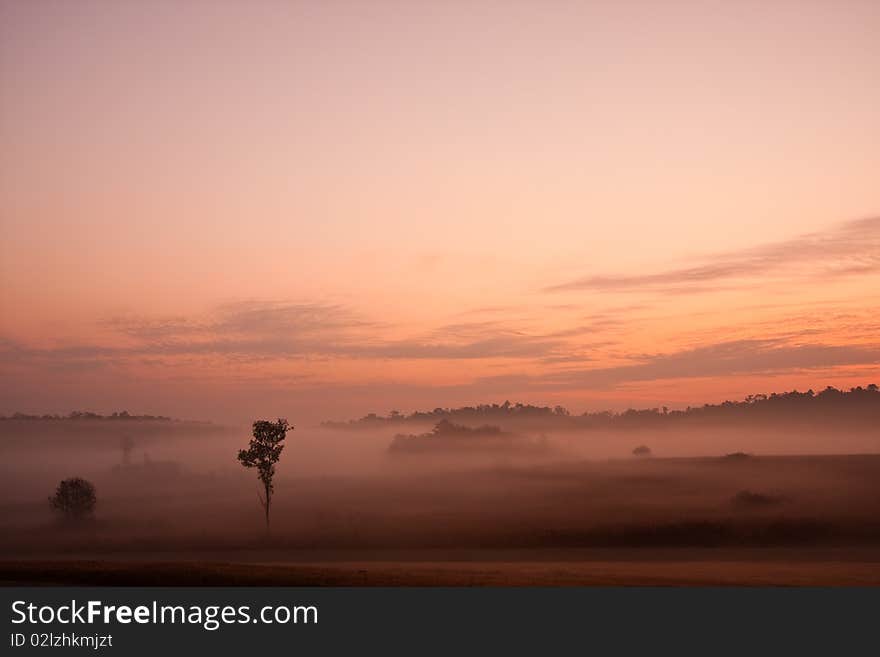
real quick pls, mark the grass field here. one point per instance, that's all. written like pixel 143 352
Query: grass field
pixel 489 568
pixel 764 520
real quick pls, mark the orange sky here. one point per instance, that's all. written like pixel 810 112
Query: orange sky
pixel 318 210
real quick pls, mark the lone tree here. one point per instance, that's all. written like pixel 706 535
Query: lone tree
pixel 642 451
pixel 74 498
pixel 263 453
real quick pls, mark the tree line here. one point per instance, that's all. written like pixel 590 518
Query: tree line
pixel 858 404
pixel 88 415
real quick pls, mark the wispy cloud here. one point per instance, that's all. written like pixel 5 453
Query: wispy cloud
pixel 590 353
pixel 257 330
pixel 253 317
pixel 851 249
pixel 731 358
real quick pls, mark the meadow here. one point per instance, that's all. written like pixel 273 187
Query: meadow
pixel 178 510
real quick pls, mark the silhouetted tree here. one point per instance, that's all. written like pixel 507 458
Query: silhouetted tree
pixel 642 450
pixel 263 453
pixel 74 498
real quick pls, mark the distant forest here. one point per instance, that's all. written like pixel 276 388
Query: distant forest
pixel 87 415
pixel 85 427
pixel 854 406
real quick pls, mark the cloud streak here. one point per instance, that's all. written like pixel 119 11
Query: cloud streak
pixel 851 249
pixel 723 359
pixel 267 330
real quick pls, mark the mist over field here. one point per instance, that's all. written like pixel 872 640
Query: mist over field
pixel 538 484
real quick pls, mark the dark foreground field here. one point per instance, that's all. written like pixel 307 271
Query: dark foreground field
pixel 489 568
pixel 189 520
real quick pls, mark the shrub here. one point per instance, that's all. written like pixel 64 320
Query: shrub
pixel 746 499
pixel 74 498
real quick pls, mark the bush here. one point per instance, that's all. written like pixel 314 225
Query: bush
pixel 74 498
pixel 746 499
pixel 642 450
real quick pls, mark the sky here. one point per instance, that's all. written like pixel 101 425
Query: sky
pixel 321 209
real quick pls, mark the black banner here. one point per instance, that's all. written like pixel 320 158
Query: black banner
pixel 407 621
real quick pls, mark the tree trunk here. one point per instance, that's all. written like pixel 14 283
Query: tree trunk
pixel 266 505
